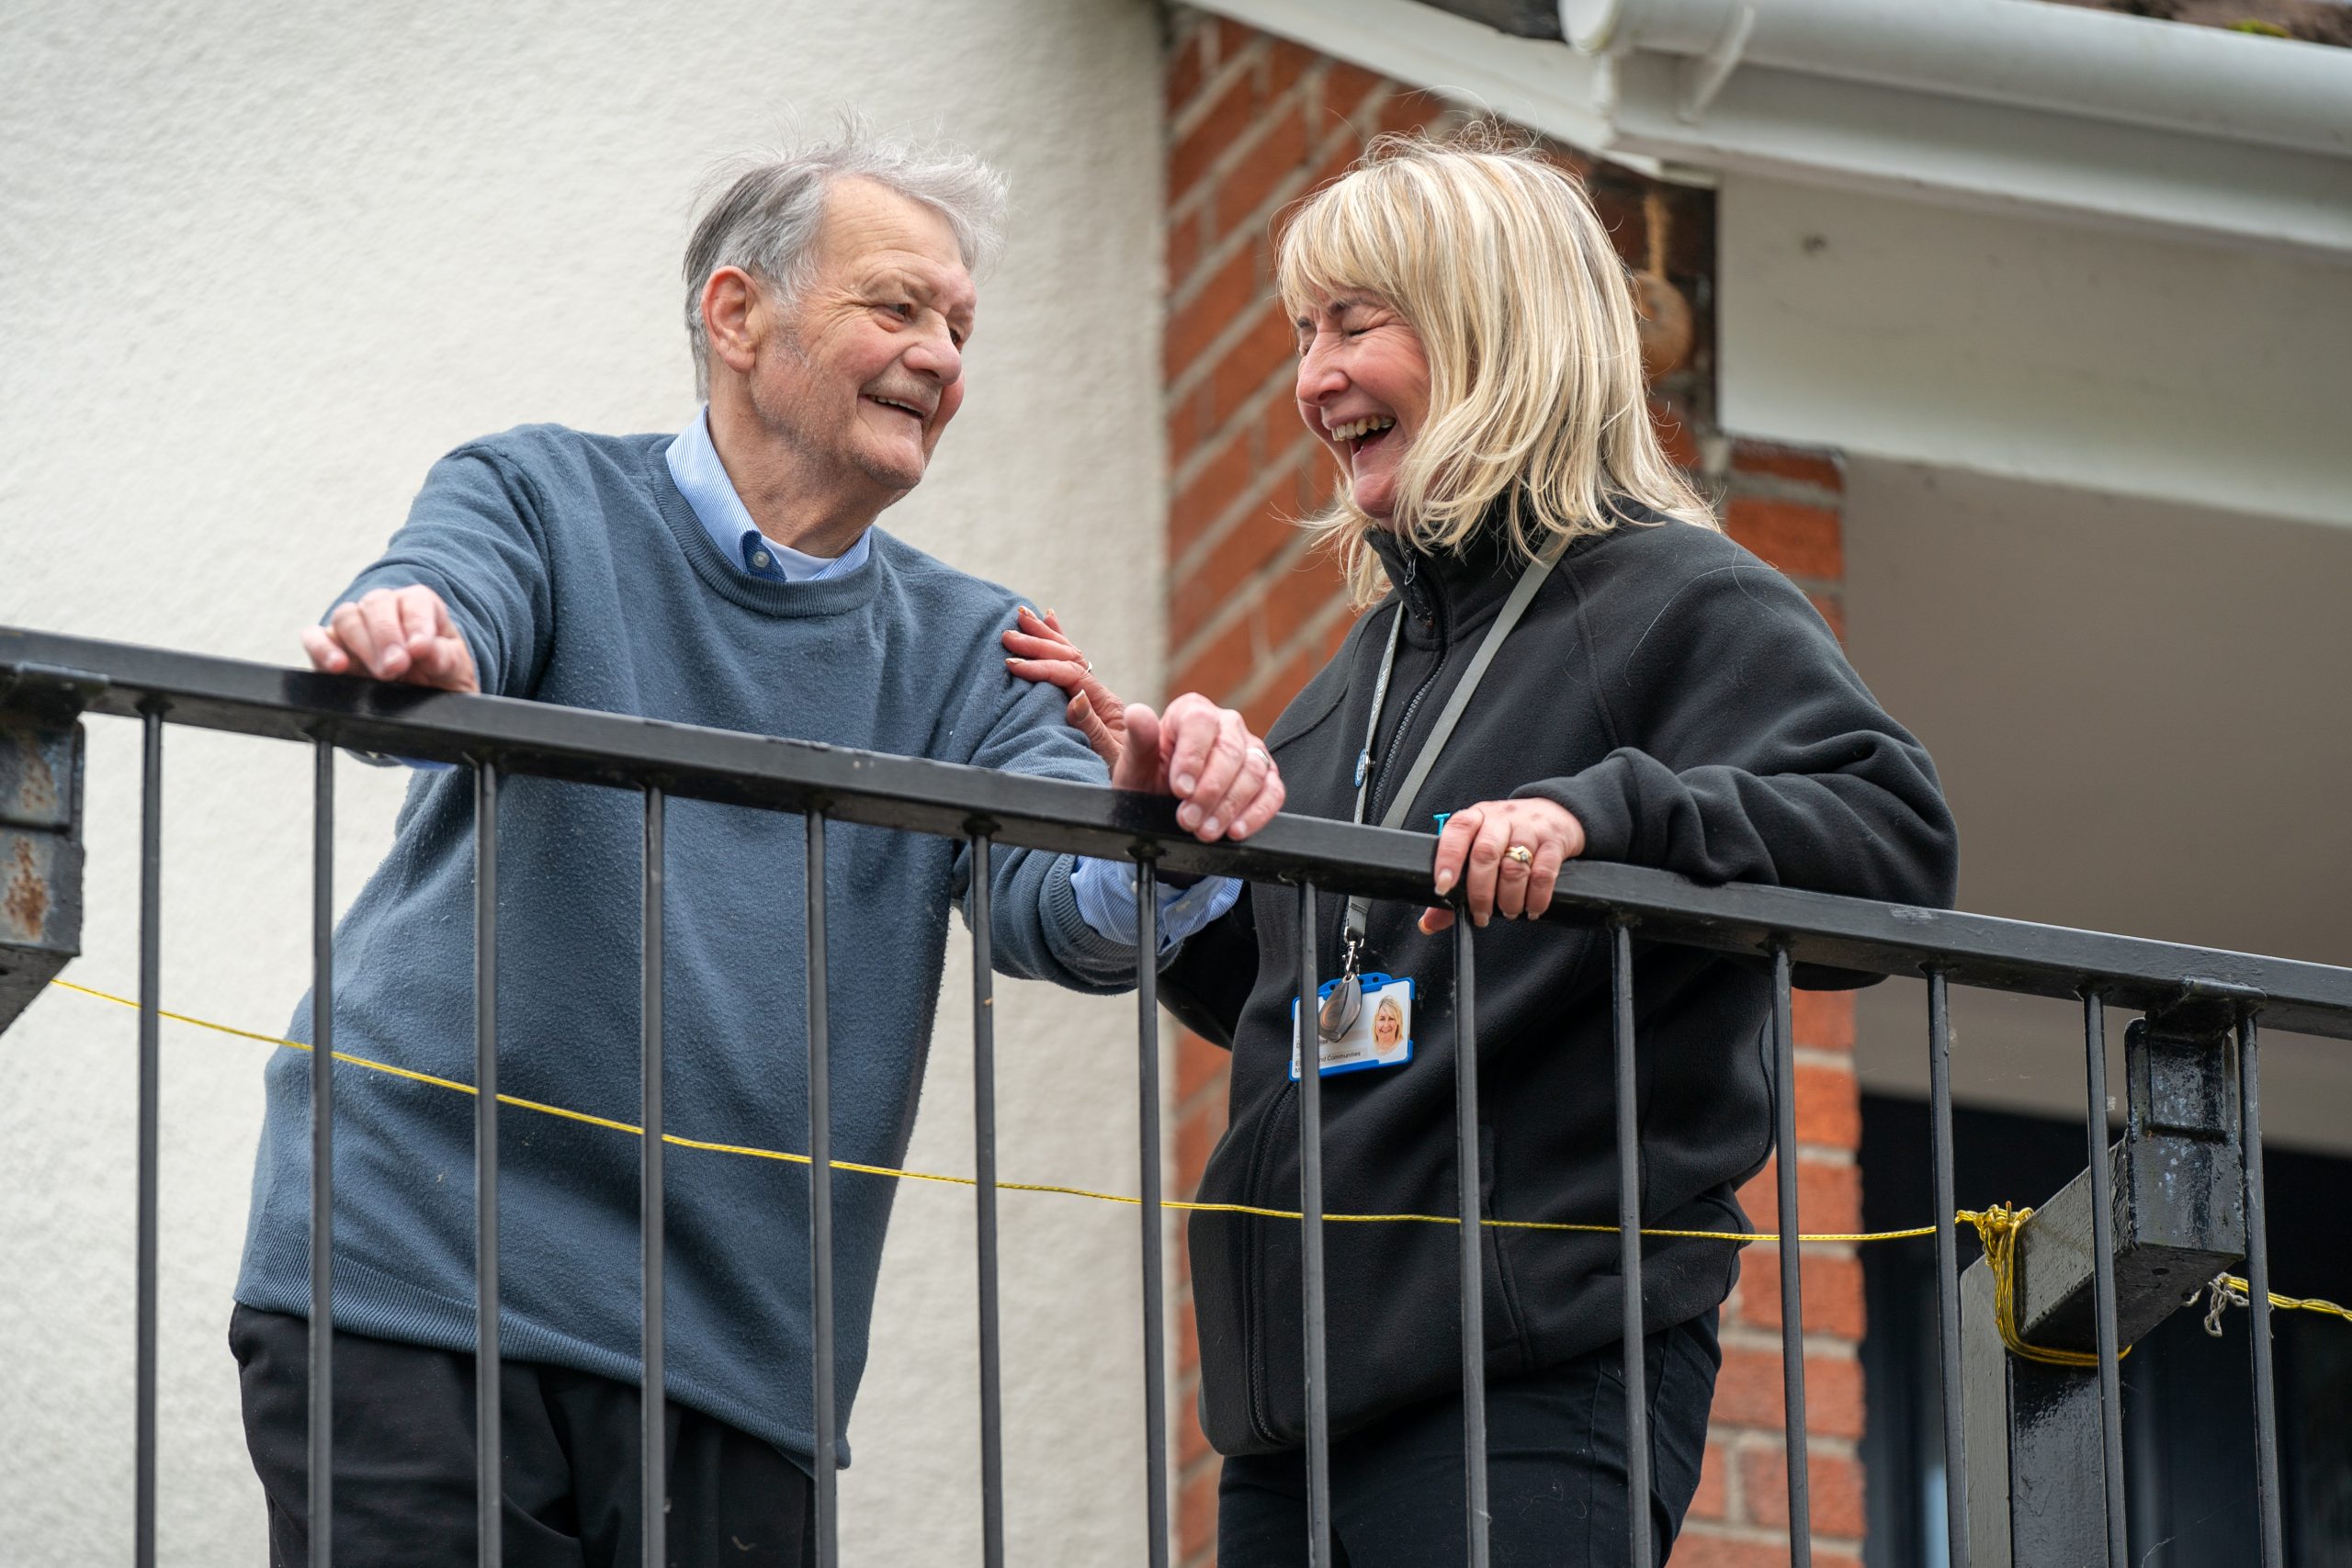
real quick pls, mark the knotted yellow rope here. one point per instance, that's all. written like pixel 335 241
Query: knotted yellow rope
pixel 1997 1228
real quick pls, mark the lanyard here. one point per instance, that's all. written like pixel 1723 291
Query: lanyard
pixel 1522 593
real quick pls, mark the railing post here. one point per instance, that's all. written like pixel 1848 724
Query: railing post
pixel 322 1476
pixel 151 1088
pixel 1310 1204
pixel 981 908
pixel 2257 1279
pixel 820 1204
pixel 1639 1540
pixel 2096 1268
pixel 1467 1179
pixel 1154 1217
pixel 1785 1139
pixel 653 1388
pixel 1947 1334
pixel 489 1488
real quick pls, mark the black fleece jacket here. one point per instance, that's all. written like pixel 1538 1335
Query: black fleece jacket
pixel 1686 702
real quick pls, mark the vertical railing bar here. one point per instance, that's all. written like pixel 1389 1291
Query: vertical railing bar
pixel 1793 1416
pixel 1638 1538
pixel 1310 1196
pixel 151 1085
pixel 2110 1391
pixel 1467 1176
pixel 1154 1217
pixel 820 1202
pixel 653 1387
pixel 1947 1267
pixel 322 1468
pixel 984 1201
pixel 2257 1279
pixel 488 1445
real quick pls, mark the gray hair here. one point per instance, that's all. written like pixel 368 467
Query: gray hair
pixel 765 219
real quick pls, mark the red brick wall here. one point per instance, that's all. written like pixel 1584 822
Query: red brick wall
pixel 1253 123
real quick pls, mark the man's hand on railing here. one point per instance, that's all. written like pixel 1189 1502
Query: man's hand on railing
pixel 394 634
pixel 1197 751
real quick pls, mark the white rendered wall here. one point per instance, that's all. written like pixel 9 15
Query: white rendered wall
pixel 260 264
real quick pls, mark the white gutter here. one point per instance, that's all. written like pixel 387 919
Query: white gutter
pixel 2001 103
pixel 2092 64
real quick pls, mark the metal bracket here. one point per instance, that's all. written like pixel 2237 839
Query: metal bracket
pixel 2035 1494
pixel 1699 78
pixel 46 694
pixel 41 855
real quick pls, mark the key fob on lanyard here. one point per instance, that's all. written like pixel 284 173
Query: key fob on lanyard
pixel 1340 1009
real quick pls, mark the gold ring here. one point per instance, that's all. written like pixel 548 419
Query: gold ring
pixel 1520 854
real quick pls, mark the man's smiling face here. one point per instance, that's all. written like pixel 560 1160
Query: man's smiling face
pixel 873 364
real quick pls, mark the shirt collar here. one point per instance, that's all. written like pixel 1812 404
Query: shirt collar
pixel 702 479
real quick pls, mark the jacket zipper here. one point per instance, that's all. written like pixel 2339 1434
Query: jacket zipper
pixel 1413 705
pixel 1260 1417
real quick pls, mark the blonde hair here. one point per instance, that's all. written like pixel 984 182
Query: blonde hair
pixel 1537 404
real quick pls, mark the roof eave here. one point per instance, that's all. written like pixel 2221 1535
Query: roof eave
pixel 2109 118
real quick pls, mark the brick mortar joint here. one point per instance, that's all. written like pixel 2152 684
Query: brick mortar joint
pixel 1192 197
pixel 1819 1345
pixel 1242 229
pixel 1252 407
pixel 1744 484
pixel 1243 596
pixel 1316 626
pixel 1246 229
pixel 1183 121
pixel 1745 1441
pixel 1233 616
pixel 1183 383
pixel 1268 484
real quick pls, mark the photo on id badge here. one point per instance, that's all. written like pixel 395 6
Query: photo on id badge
pixel 1381 1036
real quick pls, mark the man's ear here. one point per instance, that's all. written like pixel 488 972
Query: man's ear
pixel 734 316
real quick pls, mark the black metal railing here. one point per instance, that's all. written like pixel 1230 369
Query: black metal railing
pixel 45 680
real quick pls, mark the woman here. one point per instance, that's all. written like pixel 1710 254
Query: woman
pixel 1467 352
pixel 1387 1026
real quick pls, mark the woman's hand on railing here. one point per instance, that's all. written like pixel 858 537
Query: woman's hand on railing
pixel 394 634
pixel 1206 758
pixel 1506 855
pixel 1197 751
pixel 1042 652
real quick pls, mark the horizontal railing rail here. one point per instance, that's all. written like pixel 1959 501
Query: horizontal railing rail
pixel 946 798
pixel 2209 999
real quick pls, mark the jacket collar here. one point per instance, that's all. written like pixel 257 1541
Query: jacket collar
pixel 1446 592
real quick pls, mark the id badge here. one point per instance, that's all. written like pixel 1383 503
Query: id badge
pixel 1381 1036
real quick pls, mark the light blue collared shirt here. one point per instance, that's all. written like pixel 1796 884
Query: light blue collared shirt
pixel 702 479
pixel 1105 890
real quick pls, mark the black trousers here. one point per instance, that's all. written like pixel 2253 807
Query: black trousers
pixel 404 1462
pixel 1555 1471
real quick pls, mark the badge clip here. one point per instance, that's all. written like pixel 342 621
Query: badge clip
pixel 1340 1009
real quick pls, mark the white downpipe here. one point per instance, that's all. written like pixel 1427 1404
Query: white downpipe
pixel 2058 59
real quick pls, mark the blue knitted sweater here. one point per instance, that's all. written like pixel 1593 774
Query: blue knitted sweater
pixel 580 576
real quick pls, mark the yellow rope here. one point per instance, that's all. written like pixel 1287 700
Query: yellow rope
pixel 1996 1227
pixel 752 1152
pixel 2291 1303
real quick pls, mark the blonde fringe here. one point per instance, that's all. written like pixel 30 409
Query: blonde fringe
pixel 1537 402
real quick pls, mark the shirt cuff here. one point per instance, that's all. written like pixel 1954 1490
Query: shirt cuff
pixel 1105 890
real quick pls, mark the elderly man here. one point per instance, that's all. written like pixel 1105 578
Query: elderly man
pixel 729 576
